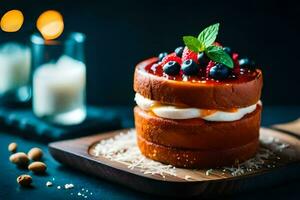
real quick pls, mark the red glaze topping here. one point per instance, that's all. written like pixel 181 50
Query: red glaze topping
pixel 238 74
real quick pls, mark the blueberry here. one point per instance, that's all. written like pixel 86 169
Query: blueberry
pixel 203 60
pixel 247 63
pixel 162 55
pixel 190 67
pixel 171 68
pixel 227 50
pixel 219 72
pixel 178 51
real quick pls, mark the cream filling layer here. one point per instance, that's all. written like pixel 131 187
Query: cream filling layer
pixel 175 112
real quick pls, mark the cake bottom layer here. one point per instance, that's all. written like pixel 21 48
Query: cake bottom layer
pixel 197 158
pixel 197 134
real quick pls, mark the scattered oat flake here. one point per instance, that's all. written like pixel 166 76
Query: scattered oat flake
pixel 49 183
pixel 69 186
pixel 282 146
pixel 208 172
pixel 58 187
pixel 258 162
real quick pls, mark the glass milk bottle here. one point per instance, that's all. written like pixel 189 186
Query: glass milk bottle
pixel 15 61
pixel 59 79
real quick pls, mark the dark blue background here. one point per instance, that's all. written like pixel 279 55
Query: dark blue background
pixel 122 33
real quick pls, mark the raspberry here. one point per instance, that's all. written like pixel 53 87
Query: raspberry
pixel 171 57
pixel 236 68
pixel 217 44
pixel 209 66
pixel 235 56
pixel 188 54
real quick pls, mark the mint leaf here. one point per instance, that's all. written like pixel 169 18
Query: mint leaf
pixel 209 35
pixel 217 54
pixel 193 43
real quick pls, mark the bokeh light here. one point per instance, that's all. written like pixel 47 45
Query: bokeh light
pixel 50 24
pixel 12 21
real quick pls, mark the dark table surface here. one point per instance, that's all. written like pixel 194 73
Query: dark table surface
pixel 101 189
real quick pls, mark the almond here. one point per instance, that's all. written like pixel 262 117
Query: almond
pixel 12 147
pixel 24 180
pixel 19 158
pixel 35 154
pixel 37 167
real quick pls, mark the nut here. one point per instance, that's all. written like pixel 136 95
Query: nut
pixel 20 159
pixel 35 153
pixel 24 180
pixel 12 147
pixel 37 167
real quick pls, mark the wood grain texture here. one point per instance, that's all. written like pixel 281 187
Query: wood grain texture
pixel 78 153
pixel 290 127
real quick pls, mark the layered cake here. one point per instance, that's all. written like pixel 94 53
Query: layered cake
pixel 198 106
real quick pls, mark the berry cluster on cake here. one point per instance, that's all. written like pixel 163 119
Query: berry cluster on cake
pixel 198 106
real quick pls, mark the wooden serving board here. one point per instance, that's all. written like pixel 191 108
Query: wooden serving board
pixel 283 166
